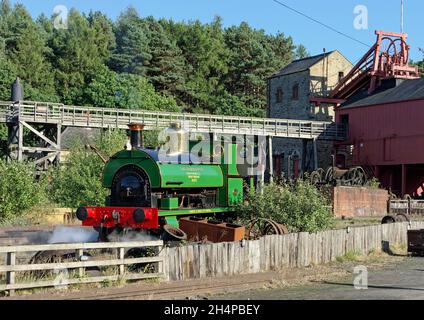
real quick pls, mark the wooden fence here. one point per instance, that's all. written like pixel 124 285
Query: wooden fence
pixel 115 257
pixel 279 252
pixel 211 260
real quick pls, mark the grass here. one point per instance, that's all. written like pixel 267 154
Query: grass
pixel 350 256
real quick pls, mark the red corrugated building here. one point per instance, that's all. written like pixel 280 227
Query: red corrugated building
pixel 386 134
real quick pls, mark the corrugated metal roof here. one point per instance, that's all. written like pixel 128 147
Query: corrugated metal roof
pixel 406 90
pixel 301 64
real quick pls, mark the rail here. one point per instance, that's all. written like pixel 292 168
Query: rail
pixel 77 116
pixel 83 256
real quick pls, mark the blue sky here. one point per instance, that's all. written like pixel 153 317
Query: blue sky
pixel 272 17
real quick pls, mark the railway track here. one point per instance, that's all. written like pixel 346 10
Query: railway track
pixel 177 290
pixel 181 292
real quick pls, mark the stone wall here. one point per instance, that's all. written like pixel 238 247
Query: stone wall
pixel 289 108
pixel 316 81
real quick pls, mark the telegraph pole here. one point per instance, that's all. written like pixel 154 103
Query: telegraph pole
pixel 401 16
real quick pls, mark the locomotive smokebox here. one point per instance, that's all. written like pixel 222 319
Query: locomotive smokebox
pixel 136 135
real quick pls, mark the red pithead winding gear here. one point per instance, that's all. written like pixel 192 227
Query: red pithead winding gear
pixel 110 217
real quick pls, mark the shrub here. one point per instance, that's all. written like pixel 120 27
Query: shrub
pixel 79 181
pixel 19 190
pixel 299 206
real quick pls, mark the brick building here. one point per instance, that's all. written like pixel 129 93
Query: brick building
pixel 289 97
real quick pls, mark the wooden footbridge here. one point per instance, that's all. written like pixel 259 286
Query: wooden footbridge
pixel 54 117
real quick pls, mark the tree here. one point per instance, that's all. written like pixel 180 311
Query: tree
pixel 25 51
pixel 8 74
pixel 132 44
pixel 232 106
pixel 248 65
pixel 19 190
pixel 79 182
pixel 206 54
pixel 103 34
pixel 421 63
pixel 79 53
pixel 301 52
pixel 129 91
pixel 166 68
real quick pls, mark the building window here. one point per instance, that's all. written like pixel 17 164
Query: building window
pixel 341 75
pixel 279 95
pixel 295 94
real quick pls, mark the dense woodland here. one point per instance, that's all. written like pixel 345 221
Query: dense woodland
pixel 140 62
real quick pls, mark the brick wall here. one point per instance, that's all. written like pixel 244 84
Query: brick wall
pixel 359 202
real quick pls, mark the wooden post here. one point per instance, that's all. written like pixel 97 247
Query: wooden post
pixel 20 141
pixel 121 257
pixel 160 253
pixel 404 179
pixel 10 278
pixel 271 164
pixel 314 142
pixel 80 253
pixel 59 143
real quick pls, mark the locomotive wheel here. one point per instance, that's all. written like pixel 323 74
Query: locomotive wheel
pixel 61 256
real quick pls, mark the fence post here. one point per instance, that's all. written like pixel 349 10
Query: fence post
pixel 11 261
pixel 80 253
pixel 121 257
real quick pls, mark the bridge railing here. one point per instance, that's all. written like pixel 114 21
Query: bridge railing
pixel 41 112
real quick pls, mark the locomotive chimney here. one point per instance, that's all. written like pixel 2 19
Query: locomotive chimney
pixel 136 135
pixel 17 91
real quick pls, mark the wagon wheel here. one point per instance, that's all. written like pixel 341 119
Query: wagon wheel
pixel 271 228
pixel 254 229
pixel 260 227
pixel 358 176
pixel 402 217
pixel 329 176
pixel 317 177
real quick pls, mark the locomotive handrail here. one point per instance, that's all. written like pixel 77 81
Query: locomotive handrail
pixel 79 116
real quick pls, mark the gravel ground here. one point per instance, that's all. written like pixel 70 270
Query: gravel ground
pixel 401 281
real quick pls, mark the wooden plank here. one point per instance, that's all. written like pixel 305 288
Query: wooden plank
pixel 52 283
pixel 79 264
pixel 85 246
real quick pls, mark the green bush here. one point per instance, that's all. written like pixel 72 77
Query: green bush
pixel 79 181
pixel 19 190
pixel 299 206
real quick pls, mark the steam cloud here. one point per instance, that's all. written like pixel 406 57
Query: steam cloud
pixel 131 235
pixel 73 235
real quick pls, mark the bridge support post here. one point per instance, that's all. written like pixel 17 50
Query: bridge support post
pixel 59 143
pixel 270 159
pixel 314 143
